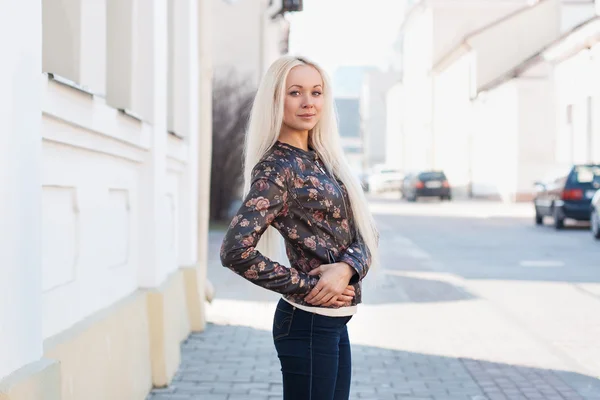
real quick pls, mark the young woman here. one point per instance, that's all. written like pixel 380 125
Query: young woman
pixel 301 193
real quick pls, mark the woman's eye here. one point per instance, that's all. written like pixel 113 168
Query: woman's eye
pixel 295 93
pixel 317 93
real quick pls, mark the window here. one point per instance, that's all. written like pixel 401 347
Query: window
pixel 292 5
pixel 130 49
pixel 586 174
pixel 432 176
pixel 74 42
pixel 181 81
pixel 120 54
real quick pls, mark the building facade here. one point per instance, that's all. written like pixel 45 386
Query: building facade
pixel 373 115
pixel 348 112
pixel 552 103
pixel 105 153
pixel 248 36
pixel 479 159
pixel 431 29
pixel 483 152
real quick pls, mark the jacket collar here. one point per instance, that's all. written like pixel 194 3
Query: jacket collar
pixel 308 155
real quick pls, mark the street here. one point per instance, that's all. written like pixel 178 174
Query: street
pixel 472 301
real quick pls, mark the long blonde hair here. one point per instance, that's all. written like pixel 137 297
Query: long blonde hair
pixel 265 124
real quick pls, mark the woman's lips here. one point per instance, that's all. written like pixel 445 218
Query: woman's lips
pixel 306 116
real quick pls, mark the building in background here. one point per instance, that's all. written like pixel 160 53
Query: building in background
pixel 450 52
pixel 373 115
pixel 347 88
pixel 576 73
pixel 348 111
pixel 248 35
pixel 552 101
pixel 492 159
pixel 431 29
pixel 105 152
pixel 395 149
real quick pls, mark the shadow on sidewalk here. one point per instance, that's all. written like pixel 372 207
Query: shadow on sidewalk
pixel 404 289
pixel 234 362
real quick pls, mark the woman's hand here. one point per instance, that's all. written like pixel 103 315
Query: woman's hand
pixel 331 286
pixel 346 297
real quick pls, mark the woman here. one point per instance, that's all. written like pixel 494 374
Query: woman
pixel 300 188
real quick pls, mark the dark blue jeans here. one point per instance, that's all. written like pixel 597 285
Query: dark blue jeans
pixel 314 351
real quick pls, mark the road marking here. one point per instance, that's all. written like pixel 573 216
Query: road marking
pixel 542 263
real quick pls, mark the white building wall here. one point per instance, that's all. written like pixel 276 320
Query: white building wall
pixel 505 45
pixel 95 202
pixel 375 87
pixel 20 189
pixel 595 87
pixel 236 37
pixel 495 143
pixel 494 51
pixel 574 12
pixel 245 39
pixel 432 31
pixel 514 141
pixel 537 133
pixel 395 150
pixel 113 223
pixel 453 116
pixel 453 20
pixel 274 39
pixel 418 59
pixel 91 226
pixel 577 109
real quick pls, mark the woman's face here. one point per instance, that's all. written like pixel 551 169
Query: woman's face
pixel 303 98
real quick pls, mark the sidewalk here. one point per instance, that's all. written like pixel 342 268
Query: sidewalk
pixel 239 363
pixel 423 335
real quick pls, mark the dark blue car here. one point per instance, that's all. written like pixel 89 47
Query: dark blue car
pixel 595 217
pixel 567 196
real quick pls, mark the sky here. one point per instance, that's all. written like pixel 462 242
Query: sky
pixel 346 32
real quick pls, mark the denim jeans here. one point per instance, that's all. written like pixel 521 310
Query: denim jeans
pixel 314 352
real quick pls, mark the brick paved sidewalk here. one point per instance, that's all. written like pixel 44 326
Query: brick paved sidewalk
pixel 239 363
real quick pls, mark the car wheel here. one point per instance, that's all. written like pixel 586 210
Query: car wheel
pixel 539 219
pixel 559 220
pixel 595 224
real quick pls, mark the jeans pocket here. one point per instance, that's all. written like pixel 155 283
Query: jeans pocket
pixel 282 323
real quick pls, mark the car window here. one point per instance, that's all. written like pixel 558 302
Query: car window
pixel 432 175
pixel 585 174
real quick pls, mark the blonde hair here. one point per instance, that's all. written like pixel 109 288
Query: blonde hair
pixel 264 127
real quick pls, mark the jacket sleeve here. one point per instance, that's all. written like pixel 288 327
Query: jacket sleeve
pixel 358 256
pixel 266 200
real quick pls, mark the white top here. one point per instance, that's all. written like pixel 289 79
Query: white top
pixel 328 312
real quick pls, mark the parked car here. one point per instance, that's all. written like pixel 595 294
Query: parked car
pixel 568 196
pixel 426 184
pixel 595 215
pixel 383 178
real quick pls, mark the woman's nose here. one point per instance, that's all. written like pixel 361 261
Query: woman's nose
pixel 308 102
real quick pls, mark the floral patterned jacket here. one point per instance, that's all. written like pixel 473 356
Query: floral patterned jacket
pixel 292 191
